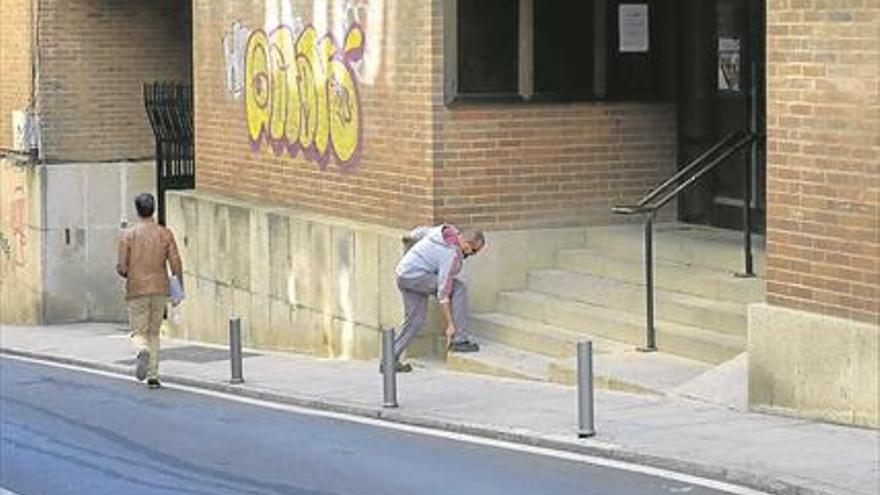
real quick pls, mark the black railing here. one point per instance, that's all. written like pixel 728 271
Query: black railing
pixel 675 185
pixel 169 107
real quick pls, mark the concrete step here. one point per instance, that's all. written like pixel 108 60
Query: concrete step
pixel 671 276
pixel 497 359
pixel 630 297
pixel 533 336
pixel 720 316
pixel 697 245
pixel 563 321
pixel 625 371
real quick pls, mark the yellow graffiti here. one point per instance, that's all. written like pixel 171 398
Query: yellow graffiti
pixel 301 94
pixel 257 84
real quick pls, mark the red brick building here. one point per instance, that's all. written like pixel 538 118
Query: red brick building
pixel 523 114
pixel 75 145
pixel 325 127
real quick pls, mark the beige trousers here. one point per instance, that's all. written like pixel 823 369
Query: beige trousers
pixel 145 315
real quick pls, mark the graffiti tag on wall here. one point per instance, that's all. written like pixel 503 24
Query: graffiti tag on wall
pixel 357 13
pixel 14 246
pixel 301 94
pixel 234 42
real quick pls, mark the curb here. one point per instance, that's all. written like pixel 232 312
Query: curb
pixel 718 473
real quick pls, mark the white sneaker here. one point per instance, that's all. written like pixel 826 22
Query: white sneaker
pixel 143 361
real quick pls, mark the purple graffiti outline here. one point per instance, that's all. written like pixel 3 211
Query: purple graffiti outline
pixel 294 148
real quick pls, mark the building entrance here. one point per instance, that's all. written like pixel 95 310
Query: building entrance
pixel 721 78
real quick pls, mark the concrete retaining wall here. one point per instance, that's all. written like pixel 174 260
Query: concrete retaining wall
pixel 61 268
pixel 87 205
pixel 318 284
pixel 307 283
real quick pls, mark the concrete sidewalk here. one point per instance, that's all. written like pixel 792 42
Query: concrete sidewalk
pixel 774 454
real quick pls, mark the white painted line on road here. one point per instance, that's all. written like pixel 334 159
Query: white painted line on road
pixel 542 451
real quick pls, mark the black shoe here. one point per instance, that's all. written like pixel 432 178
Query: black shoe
pixel 153 383
pixel 398 367
pixel 143 361
pixel 464 346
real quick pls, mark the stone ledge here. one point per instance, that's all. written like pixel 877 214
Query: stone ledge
pixel 813 366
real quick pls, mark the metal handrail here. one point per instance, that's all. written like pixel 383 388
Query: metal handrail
pixel 693 164
pixel 747 139
pixel 693 171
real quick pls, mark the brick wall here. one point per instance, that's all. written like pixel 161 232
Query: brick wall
pixel 15 63
pixel 823 191
pixel 531 165
pixel 522 165
pixel 494 166
pixel 391 182
pixel 95 56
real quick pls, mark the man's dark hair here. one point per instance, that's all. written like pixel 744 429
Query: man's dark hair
pixel 145 205
pixel 475 235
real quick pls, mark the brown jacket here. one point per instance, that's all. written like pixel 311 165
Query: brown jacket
pixel 143 251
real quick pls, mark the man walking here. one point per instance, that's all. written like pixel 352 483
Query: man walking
pixel 430 268
pixel 144 250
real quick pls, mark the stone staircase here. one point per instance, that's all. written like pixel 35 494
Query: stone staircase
pixel 597 292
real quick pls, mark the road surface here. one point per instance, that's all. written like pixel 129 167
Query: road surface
pixel 65 431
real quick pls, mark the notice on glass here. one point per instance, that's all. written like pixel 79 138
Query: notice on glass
pixel 633 28
pixel 729 64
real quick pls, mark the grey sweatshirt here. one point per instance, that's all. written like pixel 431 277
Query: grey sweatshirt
pixel 436 253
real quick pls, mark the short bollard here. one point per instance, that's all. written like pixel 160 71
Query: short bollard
pixel 235 350
pixel 585 389
pixel 389 375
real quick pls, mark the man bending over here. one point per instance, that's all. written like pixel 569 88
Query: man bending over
pixel 430 268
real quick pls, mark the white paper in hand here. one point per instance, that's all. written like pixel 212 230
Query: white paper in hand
pixel 176 291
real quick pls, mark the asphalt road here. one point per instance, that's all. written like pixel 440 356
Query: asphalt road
pixel 69 432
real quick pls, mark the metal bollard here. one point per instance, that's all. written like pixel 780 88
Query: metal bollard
pixel 235 349
pixel 389 374
pixel 585 389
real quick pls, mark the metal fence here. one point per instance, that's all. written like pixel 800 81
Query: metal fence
pixel 169 106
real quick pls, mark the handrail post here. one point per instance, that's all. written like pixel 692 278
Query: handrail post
pixel 747 212
pixel 650 337
pixel 750 165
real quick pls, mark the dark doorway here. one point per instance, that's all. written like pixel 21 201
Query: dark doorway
pixel 722 90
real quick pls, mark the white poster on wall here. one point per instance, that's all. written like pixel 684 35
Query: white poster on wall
pixel 633 27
